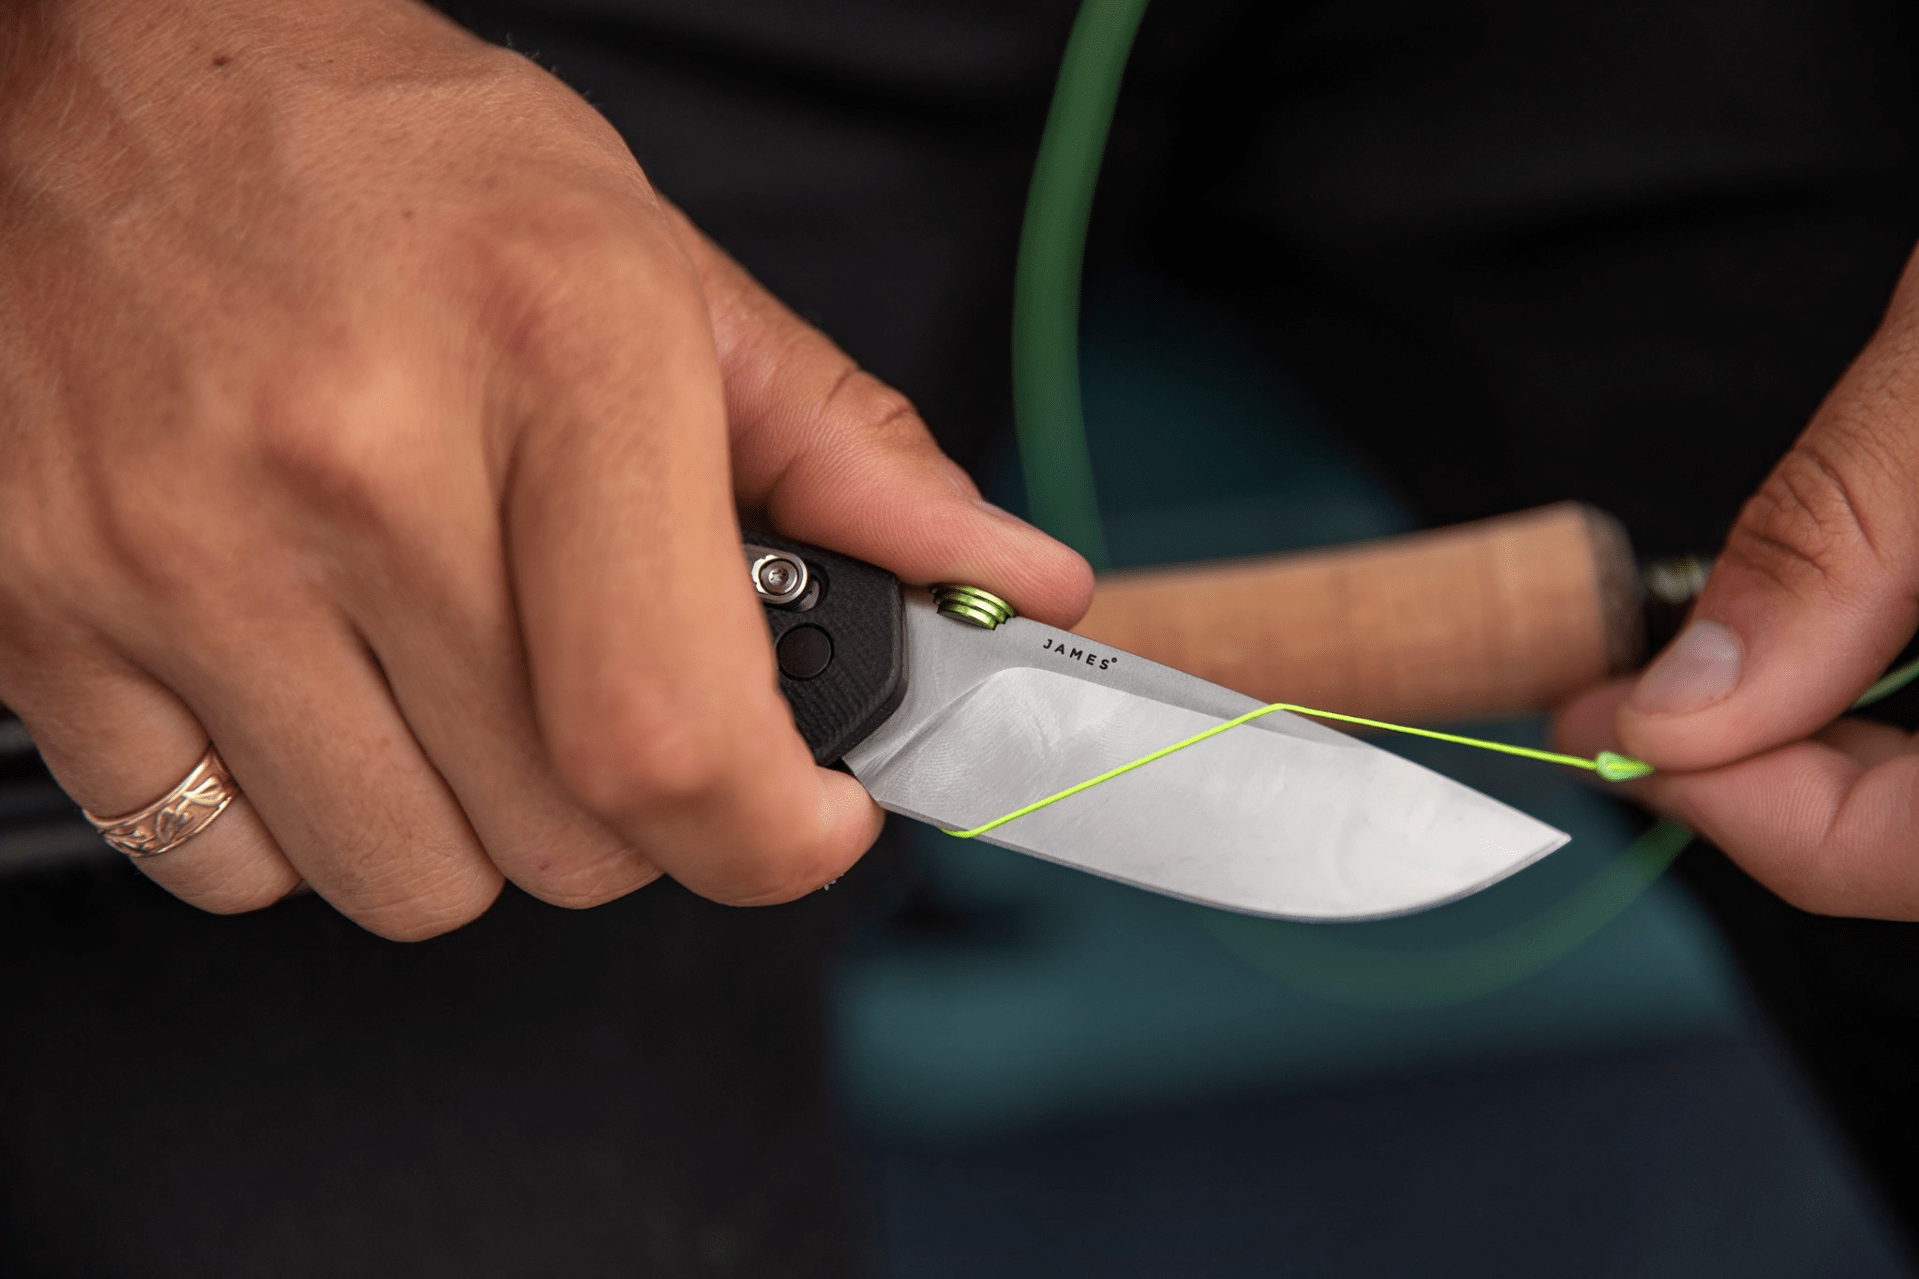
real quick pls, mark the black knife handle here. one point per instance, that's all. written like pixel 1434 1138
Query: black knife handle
pixel 841 646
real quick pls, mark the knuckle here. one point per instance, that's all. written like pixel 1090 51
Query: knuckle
pixel 39 575
pixel 410 887
pixel 1813 524
pixel 581 887
pixel 694 791
pixel 649 762
pixel 130 514
pixel 552 266
pixel 875 408
pixel 567 859
pixel 334 433
pixel 167 554
pixel 245 888
pixel 241 891
pixel 315 456
pixel 425 915
pixel 163 565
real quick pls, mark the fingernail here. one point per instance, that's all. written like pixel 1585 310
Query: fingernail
pixel 1697 669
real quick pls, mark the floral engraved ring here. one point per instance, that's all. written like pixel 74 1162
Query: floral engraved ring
pixel 176 816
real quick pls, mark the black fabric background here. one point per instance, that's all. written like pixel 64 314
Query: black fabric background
pixel 630 1090
pixel 1517 253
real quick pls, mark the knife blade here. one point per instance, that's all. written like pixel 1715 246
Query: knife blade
pixel 955 724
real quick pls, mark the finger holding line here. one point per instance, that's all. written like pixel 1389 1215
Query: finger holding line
pixel 1830 822
pixel 834 456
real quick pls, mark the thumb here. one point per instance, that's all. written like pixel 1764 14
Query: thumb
pixel 1814 592
pixel 830 454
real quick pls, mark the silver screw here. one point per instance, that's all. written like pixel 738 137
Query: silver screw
pixel 778 577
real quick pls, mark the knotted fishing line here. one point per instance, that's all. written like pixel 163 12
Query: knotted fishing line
pixel 1049 422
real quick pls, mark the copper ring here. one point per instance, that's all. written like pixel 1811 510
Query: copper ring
pixel 176 816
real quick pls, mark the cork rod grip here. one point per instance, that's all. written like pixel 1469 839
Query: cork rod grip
pixel 1499 617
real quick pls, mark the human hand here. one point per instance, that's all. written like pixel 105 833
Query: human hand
pixel 367 414
pixel 1814 594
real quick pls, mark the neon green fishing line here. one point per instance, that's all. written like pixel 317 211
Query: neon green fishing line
pixel 1888 684
pixel 1614 768
pixel 1052 249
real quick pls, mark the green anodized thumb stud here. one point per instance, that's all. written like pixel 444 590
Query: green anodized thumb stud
pixel 972 605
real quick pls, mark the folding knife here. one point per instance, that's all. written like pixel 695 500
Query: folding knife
pixel 955 712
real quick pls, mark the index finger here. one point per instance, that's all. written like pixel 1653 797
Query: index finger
pixel 832 455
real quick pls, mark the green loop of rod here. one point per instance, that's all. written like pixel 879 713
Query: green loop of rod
pixel 1046 396
pixel 1888 684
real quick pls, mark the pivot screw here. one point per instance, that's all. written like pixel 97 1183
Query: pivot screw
pixel 778 577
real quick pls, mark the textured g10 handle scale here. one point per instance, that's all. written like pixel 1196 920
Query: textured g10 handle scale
pixel 848 649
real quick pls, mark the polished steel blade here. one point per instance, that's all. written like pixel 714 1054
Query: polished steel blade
pixel 1280 816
